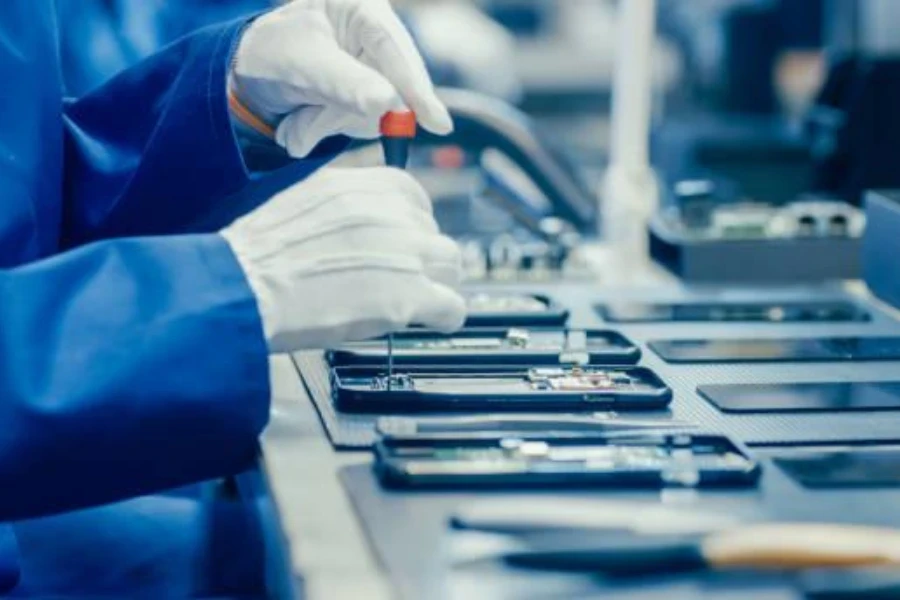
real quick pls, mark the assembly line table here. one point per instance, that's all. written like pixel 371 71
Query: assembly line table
pixel 316 543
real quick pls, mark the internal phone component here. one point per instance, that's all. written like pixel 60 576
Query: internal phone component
pixel 514 338
pixel 396 382
pixel 577 379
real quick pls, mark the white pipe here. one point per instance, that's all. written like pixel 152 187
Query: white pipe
pixel 633 85
pixel 629 193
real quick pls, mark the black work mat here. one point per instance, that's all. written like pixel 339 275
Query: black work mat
pixel 345 431
pixel 356 432
pixel 409 533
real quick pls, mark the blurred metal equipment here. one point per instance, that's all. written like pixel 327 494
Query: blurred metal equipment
pixel 766 157
pixel 732 121
pixel 881 245
pixel 755 221
pixel 517 208
pixel 701 238
pixel 547 246
pixel 565 52
pixel 630 193
pixel 853 127
pixel 743 134
pixel 484 123
pixel 732 48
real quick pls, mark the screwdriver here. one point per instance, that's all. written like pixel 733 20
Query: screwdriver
pixel 398 128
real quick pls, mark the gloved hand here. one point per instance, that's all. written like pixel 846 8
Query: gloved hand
pixel 316 68
pixel 348 254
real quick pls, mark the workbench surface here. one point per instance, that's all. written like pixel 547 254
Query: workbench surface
pixel 326 542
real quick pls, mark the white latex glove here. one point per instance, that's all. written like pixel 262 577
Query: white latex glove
pixel 347 255
pixel 316 68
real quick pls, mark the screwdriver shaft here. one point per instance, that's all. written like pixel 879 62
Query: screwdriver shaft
pixel 390 354
pixel 397 130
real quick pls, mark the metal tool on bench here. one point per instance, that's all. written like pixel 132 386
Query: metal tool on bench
pixel 770 546
pixel 522 423
pixel 540 514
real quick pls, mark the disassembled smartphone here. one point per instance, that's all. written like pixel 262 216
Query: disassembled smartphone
pixel 643 460
pixel 513 310
pixel 752 312
pixel 589 388
pixel 494 346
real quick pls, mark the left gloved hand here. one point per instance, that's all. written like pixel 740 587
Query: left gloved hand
pixel 316 68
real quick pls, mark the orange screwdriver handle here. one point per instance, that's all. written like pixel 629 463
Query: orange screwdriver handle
pixel 398 124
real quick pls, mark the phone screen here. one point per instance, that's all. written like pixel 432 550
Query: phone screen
pixel 752 312
pixel 804 397
pixel 745 350
pixel 860 467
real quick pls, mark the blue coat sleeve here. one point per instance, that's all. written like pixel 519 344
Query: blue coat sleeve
pixel 153 148
pixel 153 151
pixel 126 367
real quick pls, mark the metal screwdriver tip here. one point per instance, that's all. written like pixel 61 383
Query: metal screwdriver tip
pixel 397 128
pixel 390 353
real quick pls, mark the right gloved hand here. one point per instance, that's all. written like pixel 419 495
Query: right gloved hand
pixel 348 255
pixel 316 68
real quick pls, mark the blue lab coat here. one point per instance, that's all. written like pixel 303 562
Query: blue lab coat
pixel 102 37
pixel 130 362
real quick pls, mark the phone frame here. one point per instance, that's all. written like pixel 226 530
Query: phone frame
pixel 621 350
pixel 415 402
pixel 391 471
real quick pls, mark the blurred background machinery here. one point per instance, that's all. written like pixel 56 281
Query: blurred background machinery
pixel 768 121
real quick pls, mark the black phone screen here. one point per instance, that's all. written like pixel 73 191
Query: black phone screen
pixel 752 312
pixel 777 350
pixel 850 467
pixel 742 350
pixel 804 397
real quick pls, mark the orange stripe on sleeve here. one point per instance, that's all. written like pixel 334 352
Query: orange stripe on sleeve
pixel 247 117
